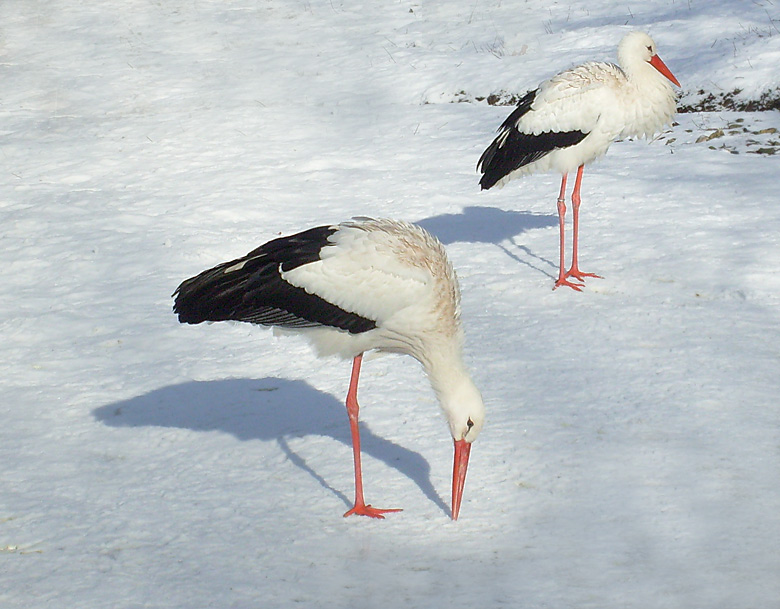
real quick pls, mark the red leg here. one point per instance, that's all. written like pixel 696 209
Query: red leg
pixel 562 247
pixel 361 509
pixel 575 271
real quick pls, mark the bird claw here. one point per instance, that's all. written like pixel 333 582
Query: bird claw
pixel 371 512
pixel 574 286
pixel 580 275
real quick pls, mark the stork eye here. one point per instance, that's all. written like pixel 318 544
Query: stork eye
pixel 470 423
pixel 649 48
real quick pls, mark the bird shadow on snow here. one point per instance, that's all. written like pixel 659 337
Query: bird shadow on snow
pixel 268 409
pixel 477 224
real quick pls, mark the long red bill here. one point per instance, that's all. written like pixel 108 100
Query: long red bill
pixel 459 467
pixel 659 65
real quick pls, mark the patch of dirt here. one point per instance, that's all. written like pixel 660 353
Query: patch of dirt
pixel 502 98
pixel 748 134
pixel 711 102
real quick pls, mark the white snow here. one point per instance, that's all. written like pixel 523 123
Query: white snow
pixel 630 456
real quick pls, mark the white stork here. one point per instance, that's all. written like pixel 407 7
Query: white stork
pixel 573 118
pixel 364 285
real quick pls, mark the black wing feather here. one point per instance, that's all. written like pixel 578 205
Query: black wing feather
pixel 513 149
pixel 251 289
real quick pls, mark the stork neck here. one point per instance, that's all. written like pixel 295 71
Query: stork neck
pixel 445 379
pixel 448 377
pixel 459 398
pixel 650 103
pixel 444 365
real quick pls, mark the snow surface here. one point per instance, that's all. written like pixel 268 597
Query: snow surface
pixel 630 457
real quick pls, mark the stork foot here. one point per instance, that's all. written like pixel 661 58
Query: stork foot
pixel 367 510
pixel 574 286
pixel 580 275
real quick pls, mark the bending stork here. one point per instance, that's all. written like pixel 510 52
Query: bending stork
pixel 359 286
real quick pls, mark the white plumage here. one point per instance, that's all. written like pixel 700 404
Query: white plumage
pixel 380 285
pixel 392 272
pixel 573 118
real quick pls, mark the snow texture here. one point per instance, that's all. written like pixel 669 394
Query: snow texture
pixel 630 455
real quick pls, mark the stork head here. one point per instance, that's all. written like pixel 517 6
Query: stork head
pixel 462 403
pixel 638 49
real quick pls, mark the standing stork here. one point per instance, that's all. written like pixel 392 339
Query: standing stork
pixel 573 118
pixel 358 286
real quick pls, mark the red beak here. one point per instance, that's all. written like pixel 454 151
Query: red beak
pixel 659 65
pixel 459 467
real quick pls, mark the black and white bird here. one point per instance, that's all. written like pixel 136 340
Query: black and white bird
pixel 365 285
pixel 572 118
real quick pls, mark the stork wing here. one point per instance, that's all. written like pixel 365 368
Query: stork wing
pixel 376 273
